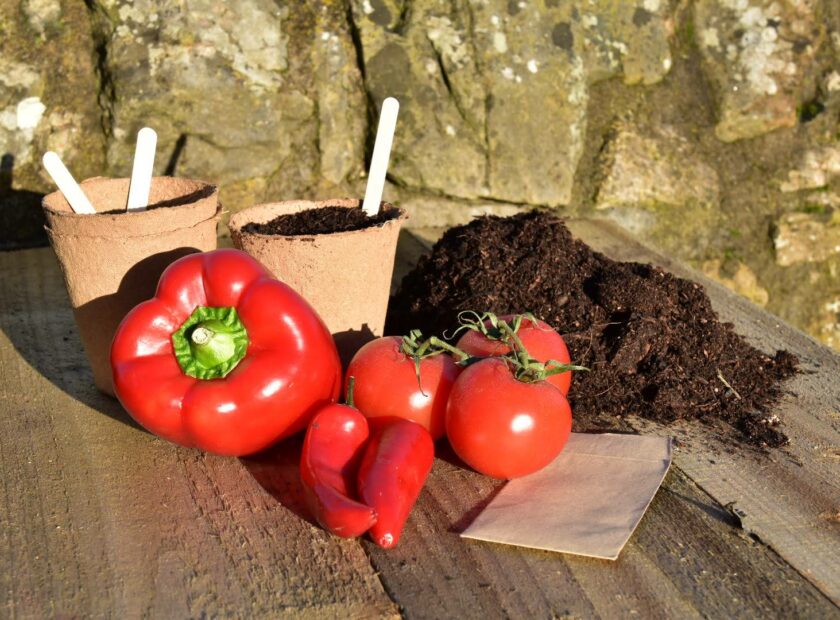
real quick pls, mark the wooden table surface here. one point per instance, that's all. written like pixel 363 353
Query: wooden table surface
pixel 98 518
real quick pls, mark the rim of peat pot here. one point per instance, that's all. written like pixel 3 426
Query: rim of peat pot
pixel 174 203
pixel 264 213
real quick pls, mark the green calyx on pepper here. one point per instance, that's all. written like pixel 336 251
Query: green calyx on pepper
pixel 210 343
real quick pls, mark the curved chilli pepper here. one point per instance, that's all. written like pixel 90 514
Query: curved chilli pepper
pixel 395 466
pixel 332 449
pixel 224 357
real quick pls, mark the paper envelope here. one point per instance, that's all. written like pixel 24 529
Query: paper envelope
pixel 587 501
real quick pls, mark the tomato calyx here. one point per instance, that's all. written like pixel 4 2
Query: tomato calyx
pixel 489 324
pixel 523 366
pixel 414 347
pixel 529 370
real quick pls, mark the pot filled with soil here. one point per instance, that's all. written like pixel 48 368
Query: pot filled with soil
pixel 112 260
pixel 332 253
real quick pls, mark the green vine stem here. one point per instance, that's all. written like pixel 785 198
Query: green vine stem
pixel 415 347
pixel 525 368
pixel 351 384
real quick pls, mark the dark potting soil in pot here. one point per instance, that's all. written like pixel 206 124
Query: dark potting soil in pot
pixel 654 345
pixel 322 221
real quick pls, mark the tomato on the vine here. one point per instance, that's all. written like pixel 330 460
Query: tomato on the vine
pixel 390 384
pixel 502 426
pixel 541 341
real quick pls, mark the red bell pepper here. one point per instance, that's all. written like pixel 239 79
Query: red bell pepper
pixel 224 357
pixel 335 441
pixel 394 469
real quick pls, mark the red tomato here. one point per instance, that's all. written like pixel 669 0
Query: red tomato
pixel 386 384
pixel 541 340
pixel 503 427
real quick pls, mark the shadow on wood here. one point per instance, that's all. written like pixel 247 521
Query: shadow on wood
pixel 58 354
pixel 21 217
pixel 277 470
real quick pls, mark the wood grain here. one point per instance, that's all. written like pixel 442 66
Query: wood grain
pixel 687 559
pixel 789 498
pixel 100 518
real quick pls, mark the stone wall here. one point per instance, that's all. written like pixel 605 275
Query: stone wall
pixel 710 128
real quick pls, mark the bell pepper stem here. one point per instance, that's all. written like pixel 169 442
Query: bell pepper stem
pixel 210 343
pixel 201 336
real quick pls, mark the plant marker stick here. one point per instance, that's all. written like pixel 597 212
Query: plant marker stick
pixel 381 153
pixel 67 184
pixel 141 173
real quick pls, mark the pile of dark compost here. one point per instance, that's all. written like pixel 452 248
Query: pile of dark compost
pixel 655 347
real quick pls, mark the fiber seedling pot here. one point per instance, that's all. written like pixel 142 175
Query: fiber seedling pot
pixel 345 276
pixel 112 260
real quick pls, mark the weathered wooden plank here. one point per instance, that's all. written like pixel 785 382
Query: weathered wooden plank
pixel 99 518
pixel 685 560
pixel 790 498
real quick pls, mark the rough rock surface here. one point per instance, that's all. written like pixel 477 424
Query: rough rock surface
pixel 807 237
pixel 48 101
pixel 738 277
pixel 826 325
pixel 479 82
pixel 699 124
pixel 652 177
pixel 218 81
pixel 626 38
pixel 816 169
pixel 658 169
pixel 430 211
pixel 759 54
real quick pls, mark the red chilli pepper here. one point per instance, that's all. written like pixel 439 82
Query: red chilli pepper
pixel 395 466
pixel 224 357
pixel 333 447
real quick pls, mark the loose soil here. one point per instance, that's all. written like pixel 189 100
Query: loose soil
pixel 655 347
pixel 321 221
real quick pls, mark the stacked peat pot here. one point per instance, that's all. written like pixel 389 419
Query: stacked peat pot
pixel 112 259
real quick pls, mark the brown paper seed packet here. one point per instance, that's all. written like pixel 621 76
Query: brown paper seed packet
pixel 588 501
